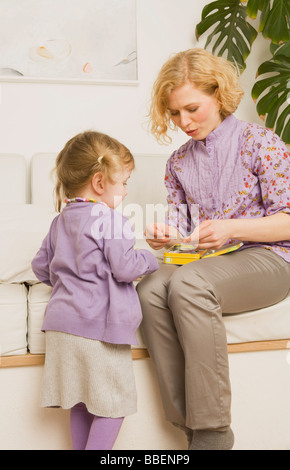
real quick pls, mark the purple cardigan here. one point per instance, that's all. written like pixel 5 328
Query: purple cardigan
pixel 88 257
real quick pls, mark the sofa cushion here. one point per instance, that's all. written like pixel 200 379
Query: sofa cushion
pixel 13 319
pixel 265 324
pixel 22 229
pixel 38 297
pixel 13 171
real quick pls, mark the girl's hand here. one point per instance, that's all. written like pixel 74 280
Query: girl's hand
pixel 210 234
pixel 160 236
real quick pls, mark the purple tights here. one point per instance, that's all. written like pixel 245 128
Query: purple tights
pixel 89 432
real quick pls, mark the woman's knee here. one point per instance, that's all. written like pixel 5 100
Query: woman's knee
pixel 190 285
pixel 150 292
pixel 154 285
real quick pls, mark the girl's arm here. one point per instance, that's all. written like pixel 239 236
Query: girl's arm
pixel 126 263
pixel 160 236
pixel 41 262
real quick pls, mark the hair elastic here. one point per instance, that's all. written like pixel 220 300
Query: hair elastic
pixel 100 158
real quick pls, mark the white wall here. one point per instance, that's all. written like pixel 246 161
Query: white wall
pixel 260 411
pixel 37 117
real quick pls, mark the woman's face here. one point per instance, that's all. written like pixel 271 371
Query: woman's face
pixel 193 111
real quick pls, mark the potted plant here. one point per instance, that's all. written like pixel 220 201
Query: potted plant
pixel 231 34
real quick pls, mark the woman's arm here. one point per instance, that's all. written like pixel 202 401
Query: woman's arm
pixel 273 228
pixel 215 233
pixel 164 235
pixel 271 164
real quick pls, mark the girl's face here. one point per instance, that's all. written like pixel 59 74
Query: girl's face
pixel 114 193
pixel 193 111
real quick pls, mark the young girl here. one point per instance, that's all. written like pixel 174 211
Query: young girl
pixel 88 258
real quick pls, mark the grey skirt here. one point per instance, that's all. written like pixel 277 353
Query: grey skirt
pixel 81 370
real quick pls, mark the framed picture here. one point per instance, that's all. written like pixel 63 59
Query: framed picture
pixel 68 41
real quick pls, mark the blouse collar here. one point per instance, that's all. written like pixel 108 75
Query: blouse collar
pixel 224 128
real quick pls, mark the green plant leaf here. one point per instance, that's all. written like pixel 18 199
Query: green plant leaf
pixel 253 7
pixel 230 32
pixel 274 19
pixel 277 21
pixel 273 91
pixel 265 8
pixel 283 125
pixel 281 52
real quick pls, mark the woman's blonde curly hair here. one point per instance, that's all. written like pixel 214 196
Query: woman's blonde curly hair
pixel 208 73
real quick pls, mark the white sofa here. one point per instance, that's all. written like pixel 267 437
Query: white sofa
pixel 259 341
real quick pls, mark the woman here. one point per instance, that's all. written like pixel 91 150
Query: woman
pixel 238 174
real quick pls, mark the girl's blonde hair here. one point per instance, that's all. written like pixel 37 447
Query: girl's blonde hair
pixel 208 73
pixel 84 155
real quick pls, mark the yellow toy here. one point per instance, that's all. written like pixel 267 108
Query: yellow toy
pixel 183 254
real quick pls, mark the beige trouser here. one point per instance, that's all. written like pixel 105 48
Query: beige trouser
pixel 185 334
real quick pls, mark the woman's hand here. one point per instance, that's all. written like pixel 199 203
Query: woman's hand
pixel 160 236
pixel 210 234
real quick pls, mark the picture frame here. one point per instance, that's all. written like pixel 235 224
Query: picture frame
pixel 69 41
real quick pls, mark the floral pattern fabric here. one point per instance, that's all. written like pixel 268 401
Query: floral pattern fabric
pixel 243 171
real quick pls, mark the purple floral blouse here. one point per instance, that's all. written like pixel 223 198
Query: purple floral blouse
pixel 243 171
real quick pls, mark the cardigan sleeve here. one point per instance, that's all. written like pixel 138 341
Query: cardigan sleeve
pixel 117 241
pixel 41 262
